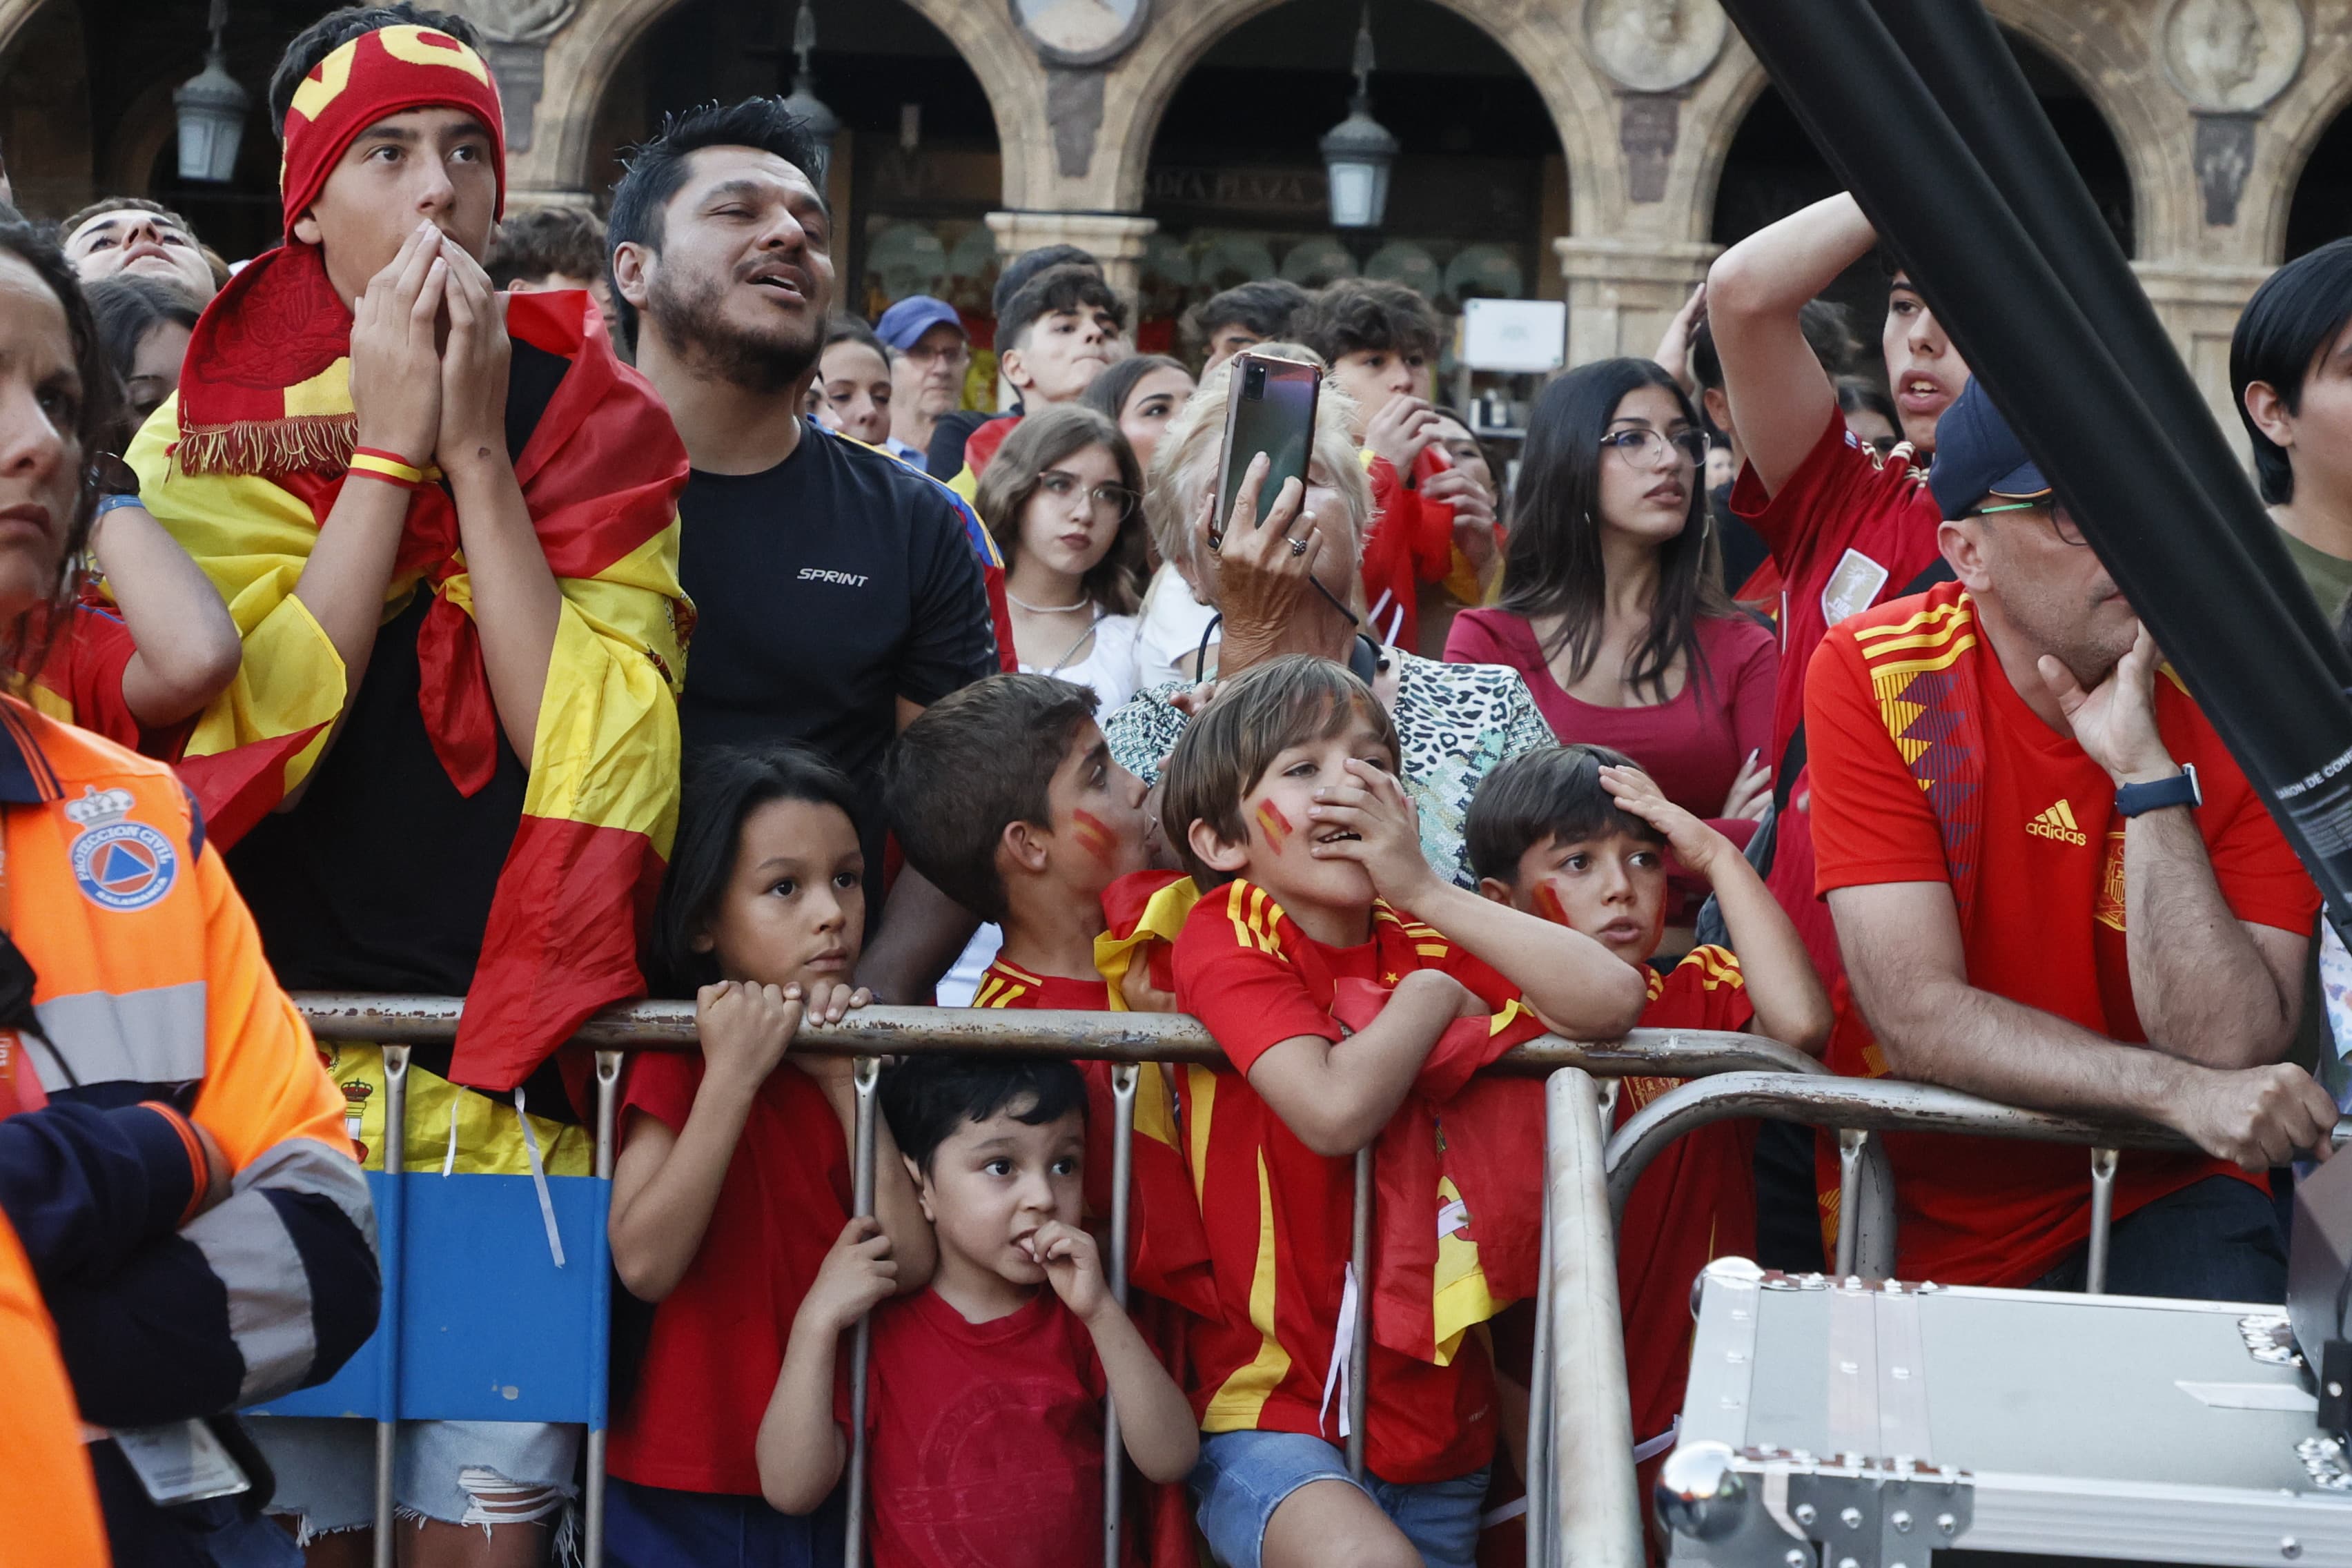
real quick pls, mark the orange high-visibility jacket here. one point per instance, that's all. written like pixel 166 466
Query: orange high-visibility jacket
pixel 48 1509
pixel 157 1014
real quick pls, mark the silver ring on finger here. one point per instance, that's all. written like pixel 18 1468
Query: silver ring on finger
pixel 1298 547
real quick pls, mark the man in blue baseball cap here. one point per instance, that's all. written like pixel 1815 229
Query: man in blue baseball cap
pixel 2053 886
pixel 929 352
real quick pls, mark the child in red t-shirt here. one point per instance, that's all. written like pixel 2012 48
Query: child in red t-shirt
pixel 1577 834
pixel 1005 797
pixel 984 1424
pixel 733 1179
pixel 1293 820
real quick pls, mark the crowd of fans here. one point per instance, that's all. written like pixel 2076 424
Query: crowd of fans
pixel 548 612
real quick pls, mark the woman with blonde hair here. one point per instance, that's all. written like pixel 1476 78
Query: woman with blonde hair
pixel 1291 584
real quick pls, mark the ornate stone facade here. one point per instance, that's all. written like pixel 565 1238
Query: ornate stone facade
pixel 2215 104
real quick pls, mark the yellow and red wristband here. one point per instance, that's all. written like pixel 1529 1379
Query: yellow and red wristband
pixel 368 462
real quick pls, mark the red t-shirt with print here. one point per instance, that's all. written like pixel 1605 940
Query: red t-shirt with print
pixel 1848 528
pixel 718 1339
pixel 984 1440
pixel 2045 925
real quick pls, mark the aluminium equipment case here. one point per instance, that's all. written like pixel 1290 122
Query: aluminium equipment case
pixel 1865 1423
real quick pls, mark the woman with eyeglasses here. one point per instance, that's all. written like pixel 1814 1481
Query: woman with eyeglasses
pixel 1064 499
pixel 1609 610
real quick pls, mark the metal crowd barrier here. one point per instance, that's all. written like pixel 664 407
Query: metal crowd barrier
pixel 387 1382
pixel 1581 1507
pixel 1859 1107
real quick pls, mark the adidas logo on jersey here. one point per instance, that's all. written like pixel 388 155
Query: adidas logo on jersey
pixel 2058 823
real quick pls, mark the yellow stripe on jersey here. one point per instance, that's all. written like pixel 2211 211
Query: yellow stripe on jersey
pixel 1203 1084
pixel 1934 613
pixel 1235 1406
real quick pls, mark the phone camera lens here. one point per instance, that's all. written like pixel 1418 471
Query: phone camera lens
pixel 1253 382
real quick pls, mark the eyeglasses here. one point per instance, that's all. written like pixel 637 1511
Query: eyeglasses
pixel 1117 499
pixel 2061 521
pixel 1643 448
pixel 957 354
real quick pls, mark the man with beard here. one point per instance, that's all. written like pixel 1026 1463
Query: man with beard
pixel 2054 887
pixel 838 588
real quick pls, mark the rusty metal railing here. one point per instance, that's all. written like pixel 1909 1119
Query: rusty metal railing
pixel 1128 1040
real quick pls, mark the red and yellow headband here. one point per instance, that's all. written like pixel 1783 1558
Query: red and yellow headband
pixel 373 77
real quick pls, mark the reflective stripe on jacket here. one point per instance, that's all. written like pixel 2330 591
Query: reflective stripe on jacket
pixel 158 1012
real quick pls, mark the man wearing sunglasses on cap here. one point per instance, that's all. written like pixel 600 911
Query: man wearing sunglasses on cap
pixel 2053 886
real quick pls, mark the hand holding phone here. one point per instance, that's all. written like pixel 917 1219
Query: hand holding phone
pixel 1269 413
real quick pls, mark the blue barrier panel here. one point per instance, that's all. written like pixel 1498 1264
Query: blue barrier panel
pixel 487 1327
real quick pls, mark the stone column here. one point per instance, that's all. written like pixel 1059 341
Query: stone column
pixel 2199 304
pixel 1623 293
pixel 1115 240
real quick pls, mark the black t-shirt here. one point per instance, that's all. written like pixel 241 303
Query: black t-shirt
pixel 825 589
pixel 944 458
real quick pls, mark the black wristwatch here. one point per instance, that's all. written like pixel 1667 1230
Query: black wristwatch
pixel 2132 800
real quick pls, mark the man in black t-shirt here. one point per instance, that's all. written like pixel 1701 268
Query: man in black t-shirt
pixel 838 590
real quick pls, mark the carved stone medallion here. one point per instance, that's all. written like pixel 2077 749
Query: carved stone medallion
pixel 1081 32
pixel 1653 46
pixel 2232 56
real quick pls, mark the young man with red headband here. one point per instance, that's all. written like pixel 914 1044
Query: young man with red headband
pixel 445 522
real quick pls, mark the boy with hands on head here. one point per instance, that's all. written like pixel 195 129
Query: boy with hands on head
pixel 984 1423
pixel 1294 822
pixel 1579 836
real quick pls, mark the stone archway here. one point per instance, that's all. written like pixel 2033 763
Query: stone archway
pixel 581 59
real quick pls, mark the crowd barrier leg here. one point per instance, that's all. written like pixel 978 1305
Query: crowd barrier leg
pixel 389 1238
pixel 1360 1340
pixel 1851 1142
pixel 1123 1171
pixel 1595 1518
pixel 608 1078
pixel 1538 1467
pixel 867 1074
pixel 2103 1213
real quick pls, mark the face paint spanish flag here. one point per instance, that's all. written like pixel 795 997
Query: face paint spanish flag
pixel 265 426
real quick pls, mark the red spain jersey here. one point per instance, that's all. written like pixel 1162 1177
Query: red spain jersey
pixel 1846 528
pixel 1002 984
pixel 1694 1204
pixel 1277 1214
pixel 1929 767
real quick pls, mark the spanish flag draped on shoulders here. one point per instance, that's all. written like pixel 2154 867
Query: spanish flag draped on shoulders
pixel 244 468
pixel 1458 1192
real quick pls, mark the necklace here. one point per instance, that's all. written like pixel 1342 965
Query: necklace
pixel 1049 609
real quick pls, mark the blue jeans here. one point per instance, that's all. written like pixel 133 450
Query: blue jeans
pixel 2214 1240
pixel 1244 1476
pixel 653 1527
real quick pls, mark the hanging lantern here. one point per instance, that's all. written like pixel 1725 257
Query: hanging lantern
pixel 821 122
pixel 211 108
pixel 1359 151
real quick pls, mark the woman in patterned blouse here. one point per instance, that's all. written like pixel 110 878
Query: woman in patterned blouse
pixel 1454 721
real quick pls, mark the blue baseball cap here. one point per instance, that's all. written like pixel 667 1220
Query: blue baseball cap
pixel 913 316
pixel 1978 457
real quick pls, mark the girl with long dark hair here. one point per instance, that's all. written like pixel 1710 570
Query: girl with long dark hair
pixel 1608 609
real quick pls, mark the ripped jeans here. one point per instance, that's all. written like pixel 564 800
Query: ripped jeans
pixel 460 1472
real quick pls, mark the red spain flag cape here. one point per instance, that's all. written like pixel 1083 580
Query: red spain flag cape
pixel 245 464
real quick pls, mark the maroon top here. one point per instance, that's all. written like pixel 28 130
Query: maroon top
pixel 1694 745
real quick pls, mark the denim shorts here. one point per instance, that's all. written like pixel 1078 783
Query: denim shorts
pixel 1244 1476
pixel 459 1472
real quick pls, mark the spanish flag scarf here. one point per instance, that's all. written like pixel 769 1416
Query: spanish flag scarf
pixel 264 429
